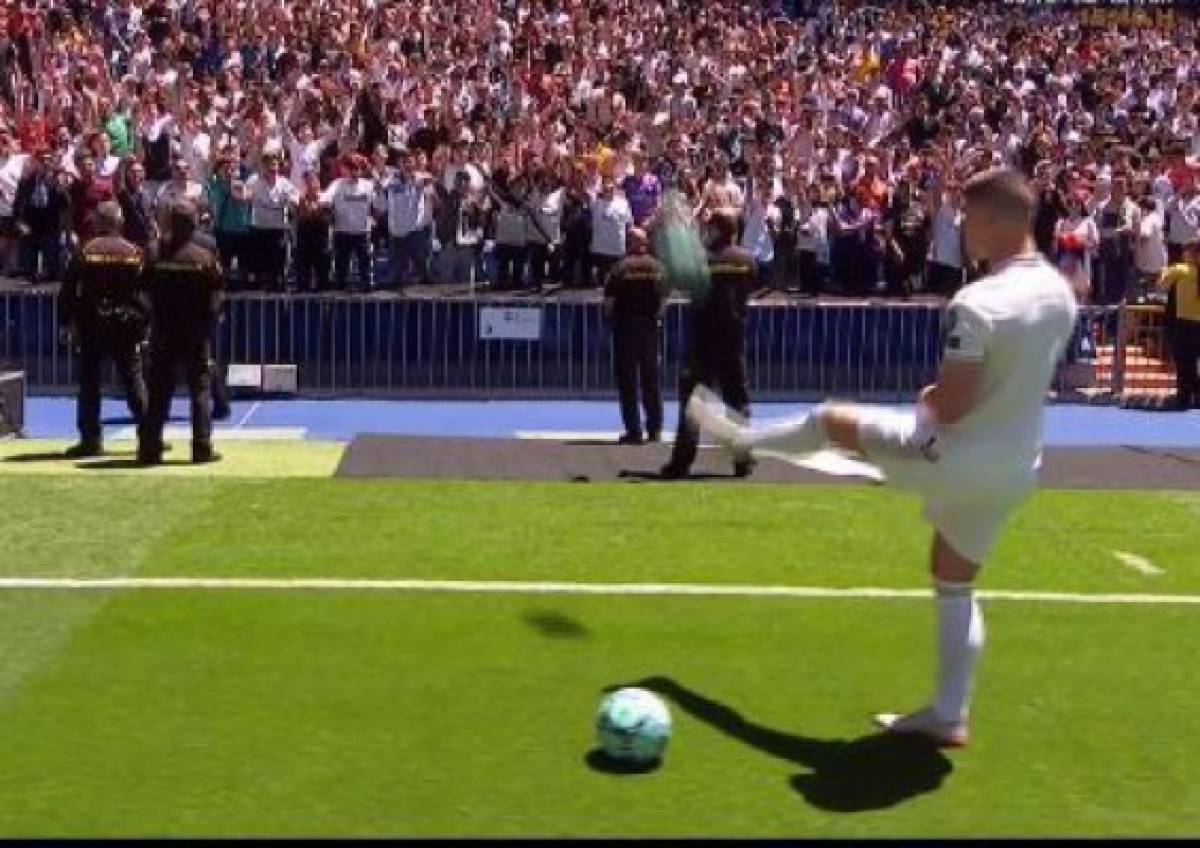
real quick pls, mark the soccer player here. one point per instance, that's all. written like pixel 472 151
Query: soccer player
pixel 972 447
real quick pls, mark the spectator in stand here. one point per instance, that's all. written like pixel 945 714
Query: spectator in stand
pixel 86 193
pixel 611 219
pixel 459 222
pixel 352 198
pixel 181 188
pixel 1117 218
pixel 12 167
pixel 1150 250
pixel 576 264
pixel 410 200
pixel 1182 219
pixel 508 207
pixel 229 201
pixel 544 233
pixel 312 237
pixel 812 240
pixel 40 209
pixel 273 200
pixel 945 270
pixel 1076 241
pixel 139 225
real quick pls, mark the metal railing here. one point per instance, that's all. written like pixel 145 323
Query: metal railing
pixel 391 346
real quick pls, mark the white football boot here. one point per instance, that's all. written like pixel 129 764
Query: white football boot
pixel 947 734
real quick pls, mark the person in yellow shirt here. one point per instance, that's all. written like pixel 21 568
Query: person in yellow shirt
pixel 1182 284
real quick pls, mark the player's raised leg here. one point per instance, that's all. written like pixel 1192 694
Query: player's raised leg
pixel 843 426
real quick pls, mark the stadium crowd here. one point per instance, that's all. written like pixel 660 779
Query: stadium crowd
pixel 516 145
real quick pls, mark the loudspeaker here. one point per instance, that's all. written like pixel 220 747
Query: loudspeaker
pixel 12 403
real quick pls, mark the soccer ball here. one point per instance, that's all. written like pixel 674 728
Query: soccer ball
pixel 633 725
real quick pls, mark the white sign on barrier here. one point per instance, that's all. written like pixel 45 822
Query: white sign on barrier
pixel 524 324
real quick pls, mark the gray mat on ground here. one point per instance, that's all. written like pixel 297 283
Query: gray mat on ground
pixel 590 461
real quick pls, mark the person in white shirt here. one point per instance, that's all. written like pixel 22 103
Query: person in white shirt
pixel 1076 240
pixel 944 273
pixel 410 200
pixel 352 198
pixel 1150 250
pixel 12 168
pixel 812 241
pixel 1182 220
pixel 511 224
pixel 273 198
pixel 972 447
pixel 544 231
pixel 181 188
pixel 611 218
pixel 762 219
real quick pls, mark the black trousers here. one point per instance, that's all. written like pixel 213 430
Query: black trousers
pixel 812 275
pixel 576 266
pixel 943 279
pixel 267 255
pixel 721 367
pixel 232 248
pixel 602 265
pixel 510 266
pixel 347 246
pixel 97 345
pixel 635 349
pixel 312 266
pixel 1185 348
pixel 542 263
pixel 191 352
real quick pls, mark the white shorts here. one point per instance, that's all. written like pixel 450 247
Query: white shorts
pixel 968 493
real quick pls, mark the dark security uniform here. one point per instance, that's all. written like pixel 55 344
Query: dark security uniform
pixel 637 286
pixel 185 296
pixel 1183 330
pixel 716 358
pixel 220 390
pixel 101 298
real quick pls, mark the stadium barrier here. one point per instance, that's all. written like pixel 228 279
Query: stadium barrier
pixel 463 347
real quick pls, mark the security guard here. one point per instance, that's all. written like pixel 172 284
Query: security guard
pixel 101 309
pixel 633 303
pixel 718 336
pixel 220 389
pixel 185 285
pixel 1182 283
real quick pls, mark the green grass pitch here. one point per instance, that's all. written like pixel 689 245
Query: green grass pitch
pixel 234 712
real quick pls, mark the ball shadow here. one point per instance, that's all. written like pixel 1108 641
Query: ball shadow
pixel 601 762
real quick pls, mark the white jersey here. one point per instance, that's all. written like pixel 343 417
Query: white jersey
pixel 1016 322
pixel 353 200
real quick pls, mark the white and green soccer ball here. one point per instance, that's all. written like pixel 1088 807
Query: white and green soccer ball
pixel 633 725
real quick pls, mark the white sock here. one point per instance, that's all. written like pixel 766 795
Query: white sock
pixel 800 435
pixel 960 640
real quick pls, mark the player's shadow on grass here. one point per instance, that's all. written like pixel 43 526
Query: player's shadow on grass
pixel 638 476
pixel 872 772
pixel 43 456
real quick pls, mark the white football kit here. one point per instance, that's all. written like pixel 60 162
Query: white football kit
pixel 1016 323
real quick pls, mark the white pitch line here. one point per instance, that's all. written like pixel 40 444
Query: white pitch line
pixel 1137 563
pixel 542 588
pixel 250 412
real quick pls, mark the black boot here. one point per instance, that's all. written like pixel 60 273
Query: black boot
pixel 202 452
pixel 85 449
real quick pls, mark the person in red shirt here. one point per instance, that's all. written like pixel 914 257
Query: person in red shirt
pixel 86 194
